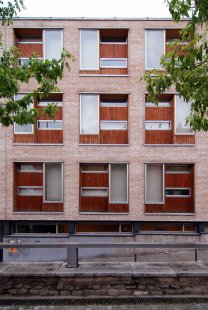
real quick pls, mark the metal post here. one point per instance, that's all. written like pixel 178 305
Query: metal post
pixel 72 257
pixel 196 255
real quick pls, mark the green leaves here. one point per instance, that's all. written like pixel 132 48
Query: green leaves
pixel 186 65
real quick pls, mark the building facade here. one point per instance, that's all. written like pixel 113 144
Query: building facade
pixel 112 165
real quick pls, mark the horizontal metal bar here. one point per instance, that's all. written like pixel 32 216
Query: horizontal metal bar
pixel 105 245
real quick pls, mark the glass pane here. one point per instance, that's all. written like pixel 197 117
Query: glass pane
pixel 182 111
pixel 89 114
pixel 53 182
pixel 113 103
pixel 97 228
pixel 114 62
pixel 157 125
pixel 116 125
pixel 154 183
pixel 160 104
pixel 177 192
pixel 118 183
pixel 52 44
pixel 30 167
pixel 95 192
pixel 178 169
pixel 89 50
pixel 23 128
pixel 30 191
pixel 155 47
pixel 116 40
pixel 50 125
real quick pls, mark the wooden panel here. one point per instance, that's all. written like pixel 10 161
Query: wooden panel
pixel 158 113
pixel 158 136
pixel 89 139
pixel 29 179
pixel 172 205
pixel 114 136
pixel 113 113
pixel 94 180
pixel 22 138
pixel 93 204
pixel 52 207
pixel 118 208
pixel 28 204
pixel 113 50
pixel 111 32
pixel 28 49
pixel 184 139
pixel 49 136
pixel 108 71
pixel 179 180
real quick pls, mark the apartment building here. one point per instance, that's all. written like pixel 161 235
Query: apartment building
pixel 112 165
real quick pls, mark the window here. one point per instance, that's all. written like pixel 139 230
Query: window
pixel 158 43
pixel 45 43
pixel 182 110
pixel 157 125
pixel 89 49
pixel 41 181
pixel 53 182
pixel 162 103
pixel 154 183
pixel 104 188
pixel 49 124
pixel 89 122
pixel 103 49
pixel 169 188
pixel 155 48
pixel 103 228
pixel 23 129
pixel 100 114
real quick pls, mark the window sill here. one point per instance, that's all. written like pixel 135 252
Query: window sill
pixel 102 213
pixel 170 145
pixel 96 144
pixel 38 144
pixel 37 213
pixel 112 75
pixel 170 214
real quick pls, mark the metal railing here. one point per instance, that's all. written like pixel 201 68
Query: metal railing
pixel 72 247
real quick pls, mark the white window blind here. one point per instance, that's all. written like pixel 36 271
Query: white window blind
pixel 182 111
pixel 155 47
pixel 89 119
pixel 154 183
pixel 118 183
pixel 53 182
pixel 89 49
pixel 52 43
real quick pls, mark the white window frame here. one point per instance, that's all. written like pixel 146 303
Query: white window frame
pixel 27 58
pixel 94 188
pixel 127 184
pixel 14 125
pixel 105 104
pixel 98 48
pixel 114 43
pixel 163 192
pixel 49 121
pixel 28 187
pixel 179 188
pixel 114 129
pixel 43 38
pixel 30 171
pixel 164 37
pixel 183 133
pixel 158 129
pixel 164 104
pixel 102 66
pixel 80 118
pixel 44 183
pixel 177 171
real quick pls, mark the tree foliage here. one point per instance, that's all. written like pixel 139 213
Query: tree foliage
pixel 12 76
pixel 186 65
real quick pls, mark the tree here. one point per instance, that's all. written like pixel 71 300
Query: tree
pixel 46 73
pixel 186 66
